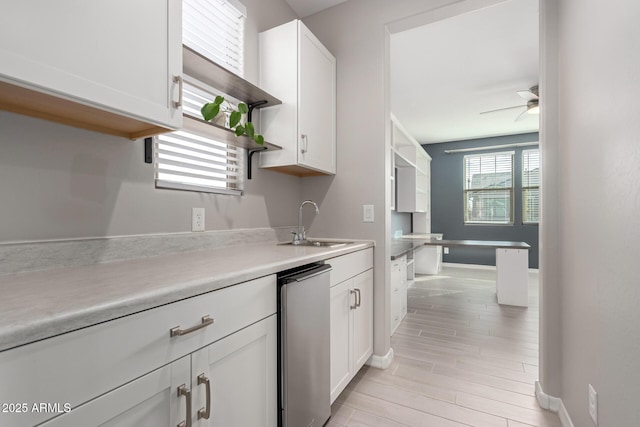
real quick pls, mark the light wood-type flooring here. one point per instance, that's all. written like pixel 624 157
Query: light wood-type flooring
pixel 460 360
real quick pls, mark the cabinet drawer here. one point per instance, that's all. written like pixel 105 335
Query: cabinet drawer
pixel 350 265
pixel 78 366
pixel 399 262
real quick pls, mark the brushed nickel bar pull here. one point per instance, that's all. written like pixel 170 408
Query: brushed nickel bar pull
pixel 176 332
pixel 359 300
pixel 184 391
pixel 355 305
pixel 305 139
pixel 178 103
pixel 205 413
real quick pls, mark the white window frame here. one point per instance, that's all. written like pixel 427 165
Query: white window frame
pixel 189 159
pixel 528 187
pixel 468 188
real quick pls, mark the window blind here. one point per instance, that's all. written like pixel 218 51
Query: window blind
pixel 215 29
pixel 188 161
pixel 488 188
pixel 531 186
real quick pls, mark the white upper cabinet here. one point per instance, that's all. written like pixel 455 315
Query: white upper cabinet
pixel 114 66
pixel 299 70
pixel 414 172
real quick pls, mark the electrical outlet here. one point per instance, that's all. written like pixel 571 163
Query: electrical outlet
pixel 367 215
pixel 197 219
pixel 446 251
pixel 593 404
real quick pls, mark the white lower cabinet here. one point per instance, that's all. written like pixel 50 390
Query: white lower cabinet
pixel 151 400
pixel 240 373
pixel 351 317
pixel 231 382
pixel 398 292
pixel 128 371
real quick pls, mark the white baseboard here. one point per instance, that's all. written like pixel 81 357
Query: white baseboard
pixel 553 404
pixel 381 362
pixel 565 420
pixel 474 266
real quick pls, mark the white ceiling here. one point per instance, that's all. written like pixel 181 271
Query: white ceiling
pixel 304 8
pixel 445 73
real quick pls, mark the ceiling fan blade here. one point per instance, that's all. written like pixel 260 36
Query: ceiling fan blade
pixel 527 94
pixel 502 109
pixel 530 94
pixel 522 116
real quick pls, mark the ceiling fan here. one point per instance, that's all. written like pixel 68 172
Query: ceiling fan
pixel 531 107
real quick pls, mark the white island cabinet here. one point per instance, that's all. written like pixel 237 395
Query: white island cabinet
pixel 211 357
pixel 398 291
pixel 299 70
pixel 113 67
pixel 351 316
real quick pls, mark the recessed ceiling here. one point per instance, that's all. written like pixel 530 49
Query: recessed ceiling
pixel 304 8
pixel 444 74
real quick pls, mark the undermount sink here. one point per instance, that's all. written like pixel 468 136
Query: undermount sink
pixel 318 243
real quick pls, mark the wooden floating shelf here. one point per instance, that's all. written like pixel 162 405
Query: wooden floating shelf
pixel 216 76
pixel 55 108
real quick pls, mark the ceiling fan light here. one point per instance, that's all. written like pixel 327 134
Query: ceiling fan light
pixel 533 107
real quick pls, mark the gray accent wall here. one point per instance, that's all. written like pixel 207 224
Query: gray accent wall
pixel 447 201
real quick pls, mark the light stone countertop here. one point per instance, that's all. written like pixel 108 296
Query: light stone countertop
pixel 42 304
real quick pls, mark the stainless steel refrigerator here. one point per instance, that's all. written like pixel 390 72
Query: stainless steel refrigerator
pixel 303 354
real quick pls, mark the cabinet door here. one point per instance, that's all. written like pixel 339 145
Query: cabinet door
pixel 340 308
pixel 118 55
pixel 317 104
pixel 363 319
pixel 149 401
pixel 241 370
pixel 396 303
pixel 403 299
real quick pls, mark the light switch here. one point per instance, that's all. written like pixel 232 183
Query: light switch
pixel 367 213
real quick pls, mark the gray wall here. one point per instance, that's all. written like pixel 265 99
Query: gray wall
pixel 591 198
pixel 400 221
pixel 60 182
pixel 447 201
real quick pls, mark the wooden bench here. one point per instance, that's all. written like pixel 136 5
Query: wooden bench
pixel 512 264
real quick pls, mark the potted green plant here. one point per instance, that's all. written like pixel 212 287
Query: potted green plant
pixel 210 110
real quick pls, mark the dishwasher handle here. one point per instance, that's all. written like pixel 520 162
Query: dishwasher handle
pixel 307 274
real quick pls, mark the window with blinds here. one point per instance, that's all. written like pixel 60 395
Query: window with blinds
pixel 488 188
pixel 189 159
pixel 215 29
pixel 531 186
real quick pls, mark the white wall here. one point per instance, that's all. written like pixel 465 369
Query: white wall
pixel 598 184
pixel 61 182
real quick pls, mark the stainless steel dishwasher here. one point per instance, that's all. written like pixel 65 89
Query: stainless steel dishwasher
pixel 303 346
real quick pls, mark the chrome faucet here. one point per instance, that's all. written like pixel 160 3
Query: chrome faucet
pixel 300 236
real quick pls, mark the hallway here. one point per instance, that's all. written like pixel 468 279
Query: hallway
pixel 460 359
